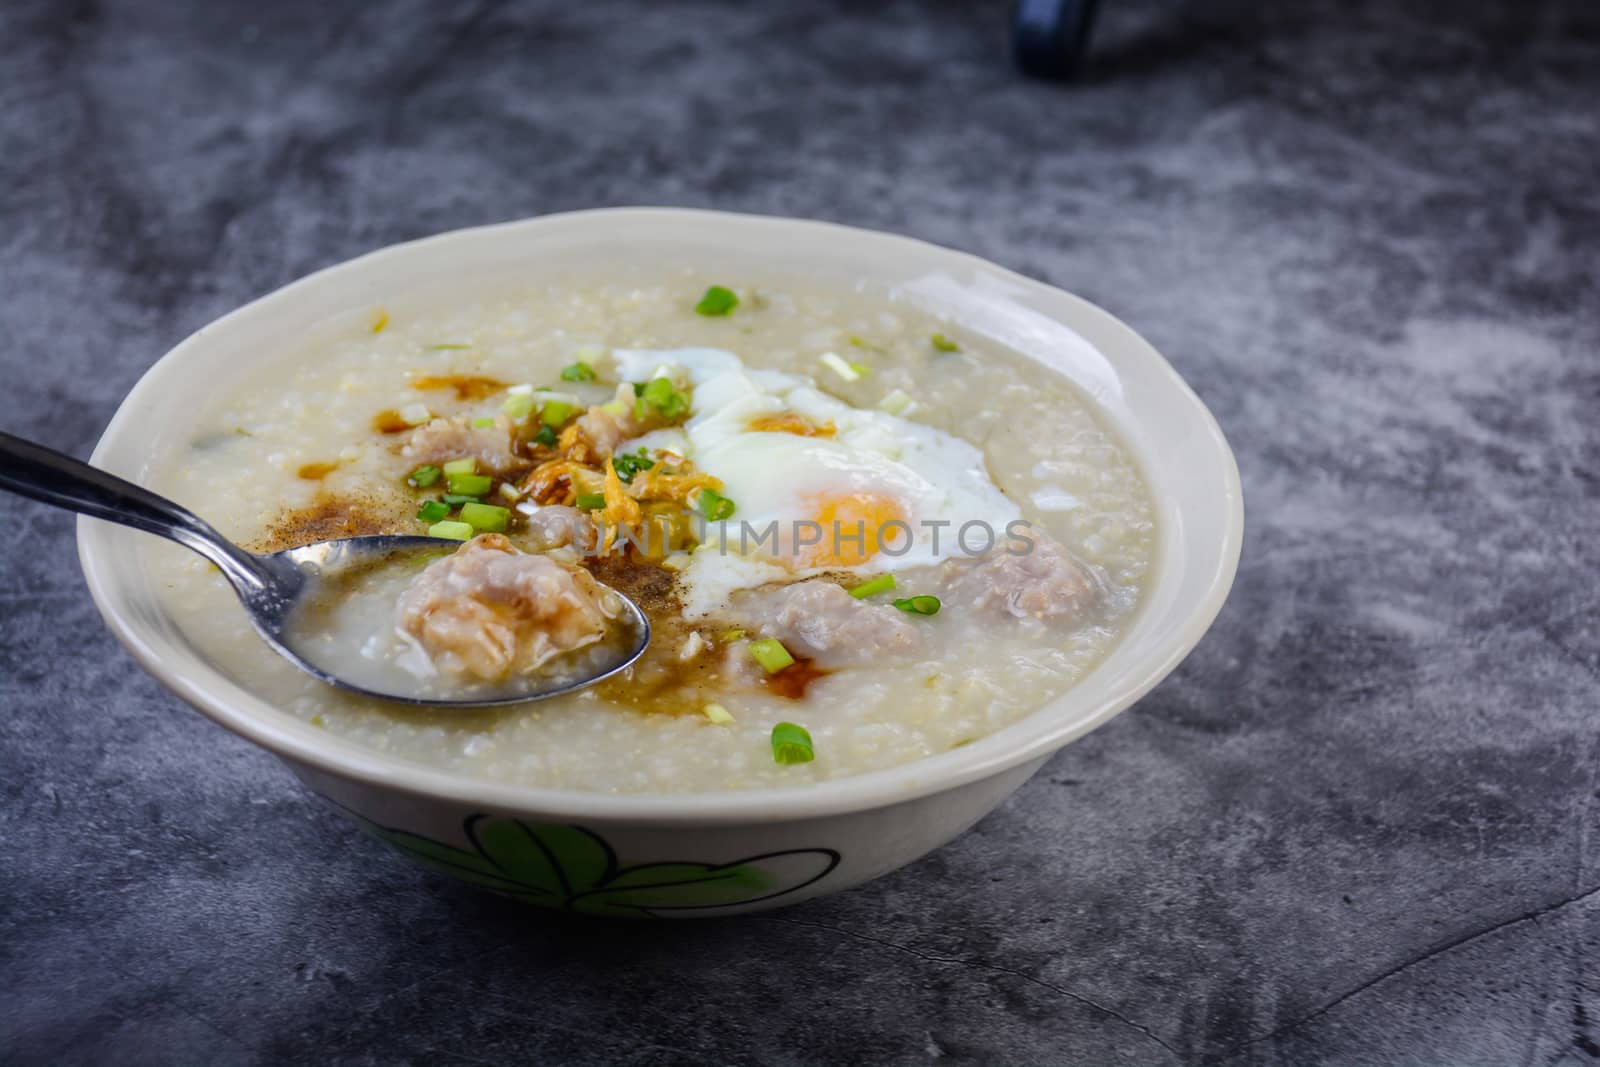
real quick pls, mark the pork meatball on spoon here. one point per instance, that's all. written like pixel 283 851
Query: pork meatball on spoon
pixel 494 626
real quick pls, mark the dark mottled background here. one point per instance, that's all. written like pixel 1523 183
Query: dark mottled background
pixel 1353 828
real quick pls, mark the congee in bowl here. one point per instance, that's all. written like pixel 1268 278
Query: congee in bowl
pixel 861 535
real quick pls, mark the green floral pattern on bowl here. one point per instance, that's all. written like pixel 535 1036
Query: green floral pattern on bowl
pixel 575 869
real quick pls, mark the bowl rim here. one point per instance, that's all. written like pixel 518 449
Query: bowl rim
pixel 997 752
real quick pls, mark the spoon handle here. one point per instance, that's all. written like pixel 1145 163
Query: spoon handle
pixel 55 478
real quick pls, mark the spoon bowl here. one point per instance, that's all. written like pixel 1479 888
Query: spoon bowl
pixel 279 590
pixel 320 569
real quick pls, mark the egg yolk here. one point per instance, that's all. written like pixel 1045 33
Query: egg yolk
pixel 851 529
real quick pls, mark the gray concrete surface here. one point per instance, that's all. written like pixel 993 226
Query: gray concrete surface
pixel 1355 827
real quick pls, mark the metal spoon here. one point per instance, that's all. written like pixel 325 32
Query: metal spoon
pixel 272 587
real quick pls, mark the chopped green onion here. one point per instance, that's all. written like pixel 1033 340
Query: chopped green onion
pixel 455 531
pixel 486 518
pixel 850 372
pixel 919 605
pixel 578 372
pixel 423 476
pixel 717 714
pixel 433 511
pixel 446 346
pixel 658 391
pixel 555 412
pixel 659 395
pixel 483 422
pixel 415 414
pixel 943 343
pixel 470 484
pixel 728 637
pixel 525 389
pixel 896 402
pixel 591 501
pixel 631 463
pixel 713 505
pixel 717 301
pixel 466 465
pixel 791 743
pixel 455 500
pixel 518 405
pixel 881 584
pixel 546 436
pixel 770 653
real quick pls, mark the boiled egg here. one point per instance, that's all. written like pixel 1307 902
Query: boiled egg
pixel 817 485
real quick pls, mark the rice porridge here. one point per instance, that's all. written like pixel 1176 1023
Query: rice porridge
pixel 861 536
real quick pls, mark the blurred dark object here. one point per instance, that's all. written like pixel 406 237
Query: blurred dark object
pixel 1049 37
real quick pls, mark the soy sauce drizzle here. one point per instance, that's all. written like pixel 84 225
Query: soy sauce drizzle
pixel 795 679
pixel 390 421
pixel 467 386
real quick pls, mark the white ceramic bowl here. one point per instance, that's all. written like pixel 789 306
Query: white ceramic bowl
pixel 712 853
